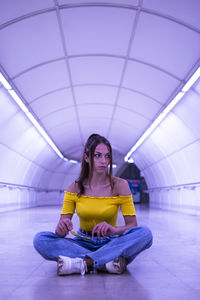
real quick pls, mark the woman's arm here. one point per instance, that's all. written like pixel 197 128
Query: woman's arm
pixel 64 225
pixel 104 229
pixel 130 221
pixel 121 187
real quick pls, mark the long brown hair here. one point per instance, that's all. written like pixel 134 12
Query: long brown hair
pixel 87 168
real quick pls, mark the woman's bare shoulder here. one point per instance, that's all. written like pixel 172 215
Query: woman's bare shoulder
pixel 73 187
pixel 121 186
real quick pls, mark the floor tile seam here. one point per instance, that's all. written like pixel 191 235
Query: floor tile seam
pixel 11 293
pixel 103 285
pixel 188 285
pixel 164 267
pixel 6 297
pixel 30 274
pixel 104 288
pixel 175 276
pixel 21 285
pixel 107 297
pixel 25 277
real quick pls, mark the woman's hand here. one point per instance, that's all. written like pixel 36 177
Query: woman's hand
pixel 104 229
pixel 64 225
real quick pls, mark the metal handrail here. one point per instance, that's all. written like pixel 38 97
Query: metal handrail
pixel 27 187
pixel 47 190
pixel 177 186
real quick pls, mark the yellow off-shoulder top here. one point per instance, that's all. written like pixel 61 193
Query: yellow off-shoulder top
pixel 93 210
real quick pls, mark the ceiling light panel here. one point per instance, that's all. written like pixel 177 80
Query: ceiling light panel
pixel 174 44
pixel 59 117
pixel 32 43
pixel 126 133
pixel 23 7
pixel 95 110
pixel 66 130
pixel 130 117
pixel 43 79
pixel 75 152
pixel 184 10
pixel 54 101
pixel 94 125
pixel 66 135
pixel 98 30
pixel 122 2
pixel 95 94
pixel 147 79
pixel 139 103
pixel 99 70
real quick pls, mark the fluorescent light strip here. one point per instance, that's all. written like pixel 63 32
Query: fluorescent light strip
pixel 30 116
pixel 130 161
pixel 5 82
pixel 76 162
pixel 73 161
pixel 163 114
pixel 44 134
pixel 191 81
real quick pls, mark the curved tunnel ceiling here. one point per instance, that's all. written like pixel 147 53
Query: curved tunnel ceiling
pixel 92 66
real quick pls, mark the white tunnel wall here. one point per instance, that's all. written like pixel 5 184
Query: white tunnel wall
pixel 170 157
pixel 27 160
pixel 76 84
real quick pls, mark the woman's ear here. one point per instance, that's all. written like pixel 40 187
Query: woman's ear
pixel 86 158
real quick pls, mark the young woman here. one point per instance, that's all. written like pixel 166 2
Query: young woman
pixel 96 196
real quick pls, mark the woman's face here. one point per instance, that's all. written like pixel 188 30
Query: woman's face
pixel 101 158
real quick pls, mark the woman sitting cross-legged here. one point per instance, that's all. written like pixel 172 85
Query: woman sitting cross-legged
pixel 96 196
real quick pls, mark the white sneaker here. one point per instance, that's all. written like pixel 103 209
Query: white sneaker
pixel 116 266
pixel 67 265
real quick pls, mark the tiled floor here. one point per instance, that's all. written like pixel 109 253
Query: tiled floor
pixel 170 269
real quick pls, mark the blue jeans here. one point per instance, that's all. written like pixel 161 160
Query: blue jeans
pixel 101 250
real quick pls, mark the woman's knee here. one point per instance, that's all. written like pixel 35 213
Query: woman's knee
pixel 147 234
pixel 37 239
pixel 41 237
pixel 42 243
pixel 142 231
